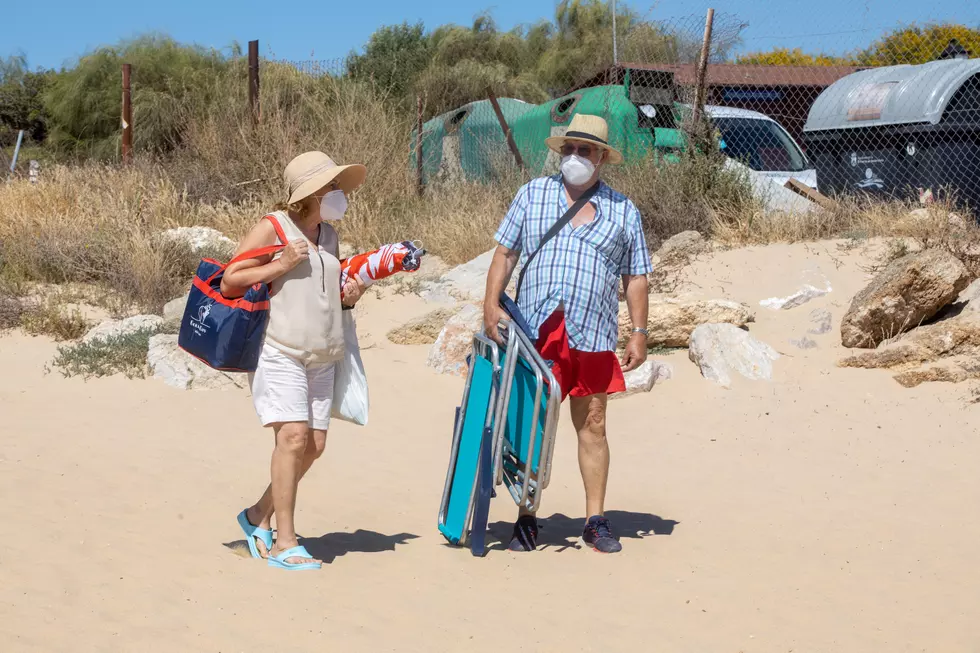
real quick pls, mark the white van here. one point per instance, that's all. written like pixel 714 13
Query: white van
pixel 761 143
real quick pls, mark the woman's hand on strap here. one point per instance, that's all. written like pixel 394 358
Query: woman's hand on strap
pixel 241 275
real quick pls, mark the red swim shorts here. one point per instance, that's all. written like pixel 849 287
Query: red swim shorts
pixel 579 373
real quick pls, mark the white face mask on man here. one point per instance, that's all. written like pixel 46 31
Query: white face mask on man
pixel 577 170
pixel 333 205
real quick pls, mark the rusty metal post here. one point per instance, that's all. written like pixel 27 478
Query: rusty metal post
pixel 127 114
pixel 702 72
pixel 507 133
pixel 253 81
pixel 418 149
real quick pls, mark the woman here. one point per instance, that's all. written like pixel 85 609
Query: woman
pixel 292 387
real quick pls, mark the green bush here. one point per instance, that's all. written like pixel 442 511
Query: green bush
pixel 125 354
pixel 84 104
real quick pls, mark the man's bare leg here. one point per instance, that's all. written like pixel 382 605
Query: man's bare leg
pixel 589 419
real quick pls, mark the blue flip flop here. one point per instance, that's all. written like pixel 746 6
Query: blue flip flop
pixel 252 532
pixel 295 552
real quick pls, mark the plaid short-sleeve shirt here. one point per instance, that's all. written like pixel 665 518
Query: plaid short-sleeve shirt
pixel 580 268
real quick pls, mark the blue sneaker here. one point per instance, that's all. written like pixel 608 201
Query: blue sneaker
pixel 598 536
pixel 525 537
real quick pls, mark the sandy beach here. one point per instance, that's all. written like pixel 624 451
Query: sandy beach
pixel 827 510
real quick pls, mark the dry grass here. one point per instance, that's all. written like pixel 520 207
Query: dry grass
pixel 51 317
pixel 100 224
pixel 694 194
pixel 95 224
pixel 912 226
pixel 11 312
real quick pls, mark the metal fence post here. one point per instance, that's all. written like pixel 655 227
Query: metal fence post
pixel 20 139
pixel 418 149
pixel 507 132
pixel 702 72
pixel 615 52
pixel 127 115
pixel 255 108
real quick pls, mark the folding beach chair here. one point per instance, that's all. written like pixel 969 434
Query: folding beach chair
pixel 504 433
pixel 466 497
pixel 527 416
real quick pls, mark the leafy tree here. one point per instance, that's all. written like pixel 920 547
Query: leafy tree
pixel 21 100
pixel 908 45
pixel 916 45
pixel 794 57
pixel 394 57
pixel 86 110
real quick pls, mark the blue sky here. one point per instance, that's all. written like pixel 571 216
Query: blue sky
pixel 56 32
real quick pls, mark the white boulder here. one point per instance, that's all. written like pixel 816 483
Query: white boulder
pixel 118 328
pixel 800 297
pixel 178 369
pixel 643 378
pixel 455 341
pixel 200 239
pixel 723 349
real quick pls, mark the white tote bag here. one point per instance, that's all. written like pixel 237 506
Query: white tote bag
pixel 350 392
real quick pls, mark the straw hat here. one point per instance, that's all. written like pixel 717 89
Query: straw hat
pixel 311 171
pixel 586 128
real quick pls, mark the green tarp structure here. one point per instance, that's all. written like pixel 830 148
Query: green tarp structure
pixel 469 143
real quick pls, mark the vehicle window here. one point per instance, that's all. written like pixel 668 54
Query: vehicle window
pixel 760 144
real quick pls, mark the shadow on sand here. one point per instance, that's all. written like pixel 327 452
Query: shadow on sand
pixel 560 532
pixel 331 546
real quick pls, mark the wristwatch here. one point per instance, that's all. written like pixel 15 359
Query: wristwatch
pixel 641 330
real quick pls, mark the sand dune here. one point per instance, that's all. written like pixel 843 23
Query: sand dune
pixel 828 510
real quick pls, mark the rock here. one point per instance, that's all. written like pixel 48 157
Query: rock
pixel 970 297
pixel 118 328
pixel 803 343
pixel 681 248
pixel 942 372
pixel 455 341
pixel 721 349
pixel 800 297
pixel 466 282
pixel 957 336
pixel 909 291
pixel 202 240
pixel 422 330
pixel 919 215
pixel 671 321
pixel 822 322
pixel 178 369
pixel 173 311
pixel 643 378
pixel 922 215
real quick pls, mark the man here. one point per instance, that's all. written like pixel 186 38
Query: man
pixel 570 299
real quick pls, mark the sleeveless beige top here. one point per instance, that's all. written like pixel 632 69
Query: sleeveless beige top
pixel 305 310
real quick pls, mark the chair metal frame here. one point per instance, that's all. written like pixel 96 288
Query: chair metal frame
pixel 524 488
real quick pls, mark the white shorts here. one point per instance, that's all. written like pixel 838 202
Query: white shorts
pixel 286 390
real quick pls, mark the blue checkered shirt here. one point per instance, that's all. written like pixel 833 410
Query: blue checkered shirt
pixel 580 268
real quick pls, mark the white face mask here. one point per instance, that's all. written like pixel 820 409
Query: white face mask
pixel 577 170
pixel 333 205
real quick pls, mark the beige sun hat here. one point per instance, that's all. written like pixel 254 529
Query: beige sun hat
pixel 586 128
pixel 311 171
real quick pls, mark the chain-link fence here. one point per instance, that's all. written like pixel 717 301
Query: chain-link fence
pixel 898 117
